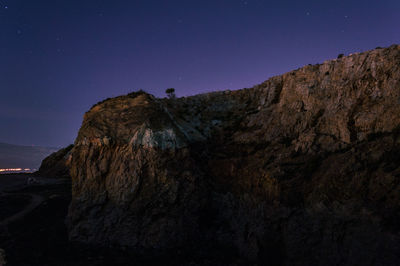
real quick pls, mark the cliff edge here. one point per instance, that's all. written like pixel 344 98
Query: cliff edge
pixel 302 169
pixel 54 165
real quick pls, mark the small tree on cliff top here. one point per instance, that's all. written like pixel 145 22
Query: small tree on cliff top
pixel 170 93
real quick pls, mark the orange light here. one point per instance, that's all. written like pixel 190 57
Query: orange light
pixel 14 169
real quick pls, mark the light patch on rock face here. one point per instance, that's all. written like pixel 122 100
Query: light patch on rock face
pixel 99 141
pixel 163 139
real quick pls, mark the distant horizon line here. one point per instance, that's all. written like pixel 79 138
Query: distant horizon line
pixel 32 145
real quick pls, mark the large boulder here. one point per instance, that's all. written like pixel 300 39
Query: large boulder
pixel 302 169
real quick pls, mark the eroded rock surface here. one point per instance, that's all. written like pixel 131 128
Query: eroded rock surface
pixel 302 169
pixel 54 165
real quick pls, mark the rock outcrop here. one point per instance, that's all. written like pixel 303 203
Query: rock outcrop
pixel 54 165
pixel 302 169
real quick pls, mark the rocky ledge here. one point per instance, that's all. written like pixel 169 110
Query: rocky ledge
pixel 302 169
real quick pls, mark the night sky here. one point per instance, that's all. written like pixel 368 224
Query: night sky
pixel 59 57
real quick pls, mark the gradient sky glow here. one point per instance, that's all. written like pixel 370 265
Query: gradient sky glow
pixel 59 57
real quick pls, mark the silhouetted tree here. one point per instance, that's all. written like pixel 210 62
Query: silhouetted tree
pixel 170 93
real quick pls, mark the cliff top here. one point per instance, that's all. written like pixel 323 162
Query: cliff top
pixel 346 98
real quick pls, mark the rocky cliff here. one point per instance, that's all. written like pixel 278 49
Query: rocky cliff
pixel 54 165
pixel 302 169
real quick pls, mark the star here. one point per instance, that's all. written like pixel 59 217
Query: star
pixel 5 7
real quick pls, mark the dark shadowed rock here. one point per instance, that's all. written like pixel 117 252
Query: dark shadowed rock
pixel 302 169
pixel 55 164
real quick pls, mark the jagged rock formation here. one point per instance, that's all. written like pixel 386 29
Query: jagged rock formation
pixel 54 165
pixel 302 169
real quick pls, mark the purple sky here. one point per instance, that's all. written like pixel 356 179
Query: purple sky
pixel 59 57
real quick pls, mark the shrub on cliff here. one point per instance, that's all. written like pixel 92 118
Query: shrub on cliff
pixel 134 94
pixel 170 93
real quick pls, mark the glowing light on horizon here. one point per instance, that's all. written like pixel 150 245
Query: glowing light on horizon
pixel 15 170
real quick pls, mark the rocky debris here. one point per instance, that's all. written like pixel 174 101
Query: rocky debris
pixel 55 164
pixel 302 169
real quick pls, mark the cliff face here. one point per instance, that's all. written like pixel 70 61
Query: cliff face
pixel 54 165
pixel 301 169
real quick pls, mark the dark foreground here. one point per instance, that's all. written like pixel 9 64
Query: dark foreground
pixel 39 237
pixel 33 232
